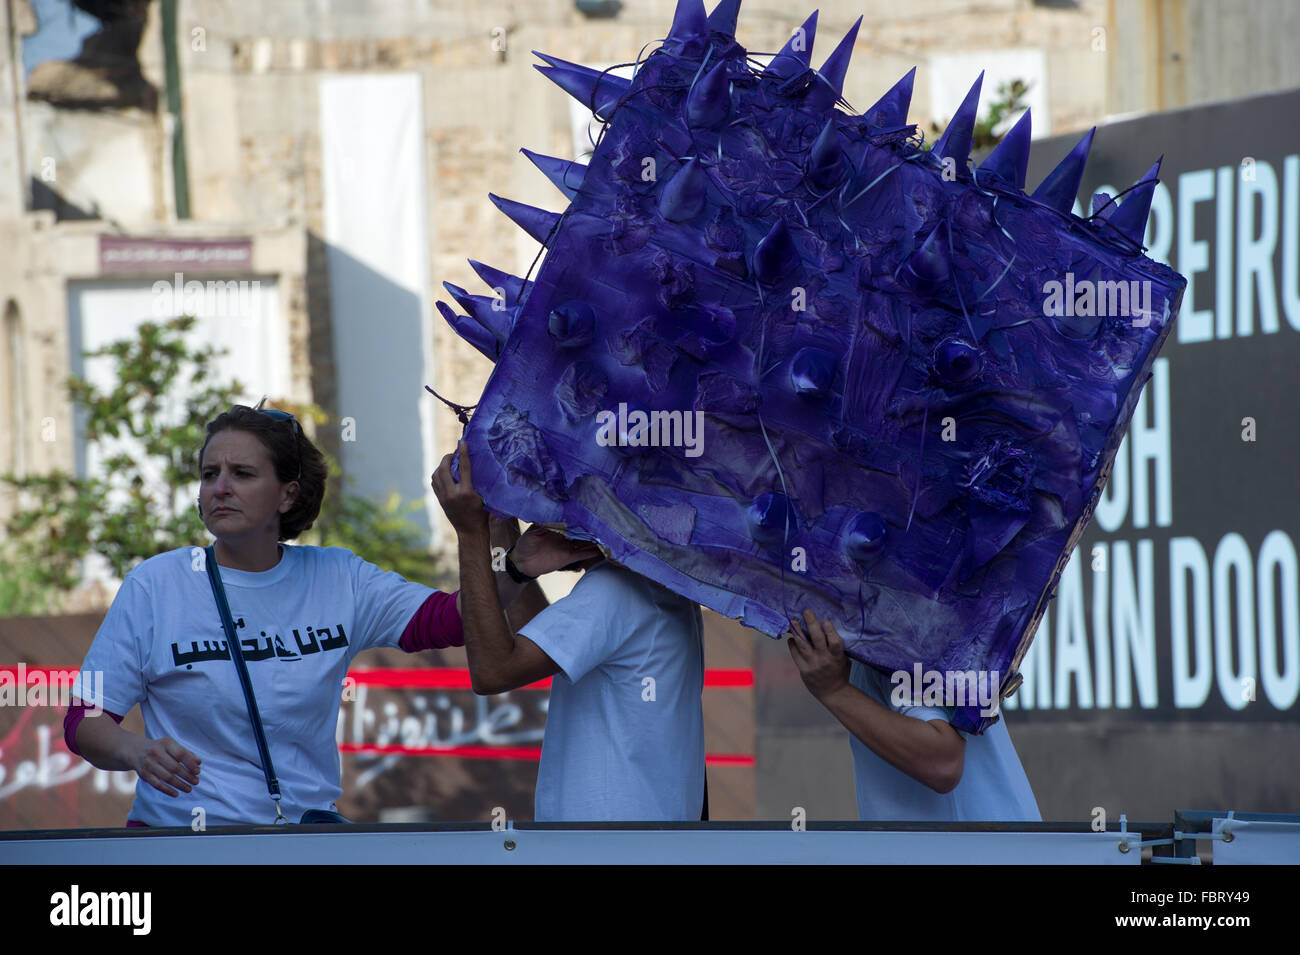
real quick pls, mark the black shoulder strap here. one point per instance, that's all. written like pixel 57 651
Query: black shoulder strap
pixel 237 654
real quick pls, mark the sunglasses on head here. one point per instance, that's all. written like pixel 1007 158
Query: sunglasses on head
pixel 297 431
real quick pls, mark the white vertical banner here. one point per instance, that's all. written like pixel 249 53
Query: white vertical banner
pixel 373 171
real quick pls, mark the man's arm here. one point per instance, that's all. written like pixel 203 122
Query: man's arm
pixel 523 601
pixel 499 660
pixel 538 552
pixel 929 751
pixel 502 533
pixel 530 602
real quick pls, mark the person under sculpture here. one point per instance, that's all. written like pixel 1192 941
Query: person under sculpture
pixel 909 762
pixel 624 734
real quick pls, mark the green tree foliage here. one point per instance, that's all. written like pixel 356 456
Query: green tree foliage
pixel 141 502
pixel 1010 101
pixel 382 532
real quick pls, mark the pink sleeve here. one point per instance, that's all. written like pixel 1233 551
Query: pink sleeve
pixel 76 713
pixel 435 626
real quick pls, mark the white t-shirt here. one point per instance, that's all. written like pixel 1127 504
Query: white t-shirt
pixel 625 724
pixel 993 787
pixel 300 624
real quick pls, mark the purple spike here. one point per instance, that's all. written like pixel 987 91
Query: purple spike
pixel 826 158
pixel 1130 216
pixel 690 29
pixel 564 174
pixel 476 306
pixel 836 66
pixel 584 84
pixel 890 111
pixel 491 313
pixel 513 286
pixel 796 55
pixel 776 255
pixel 556 61
pixel 956 139
pixel 1010 158
pixel 956 362
pixel 463 298
pixel 724 16
pixel 771 518
pixel 683 196
pixel 536 222
pixel 1061 186
pixel 813 372
pixel 709 101
pixel 572 324
pixel 929 264
pixel 497 320
pixel 470 330
pixel 865 537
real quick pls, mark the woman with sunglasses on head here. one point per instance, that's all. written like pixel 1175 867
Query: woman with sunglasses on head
pixel 300 614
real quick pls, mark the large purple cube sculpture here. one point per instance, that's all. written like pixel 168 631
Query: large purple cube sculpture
pixel 909 377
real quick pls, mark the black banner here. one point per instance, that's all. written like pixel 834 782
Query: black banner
pixel 1181 601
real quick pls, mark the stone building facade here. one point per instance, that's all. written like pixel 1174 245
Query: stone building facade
pixel 250 115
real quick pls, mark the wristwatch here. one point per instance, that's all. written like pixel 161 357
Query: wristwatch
pixel 517 575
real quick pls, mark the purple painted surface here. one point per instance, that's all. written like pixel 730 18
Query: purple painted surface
pixel 894 432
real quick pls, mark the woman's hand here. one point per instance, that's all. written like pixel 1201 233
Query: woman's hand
pixel 164 764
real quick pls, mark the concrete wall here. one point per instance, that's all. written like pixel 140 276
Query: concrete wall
pixel 1171 53
pixel 106 164
pixel 31 286
pixel 16 21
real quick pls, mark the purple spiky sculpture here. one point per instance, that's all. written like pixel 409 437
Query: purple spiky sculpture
pixel 780 356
